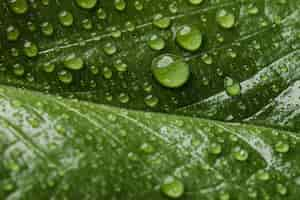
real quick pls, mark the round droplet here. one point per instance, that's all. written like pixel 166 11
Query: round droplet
pixel 18 70
pixel 101 13
pixel 170 70
pixel 120 5
pixel 282 147
pixel 281 189
pixel 18 6
pixel 73 62
pixel 215 148
pixel 65 76
pixel 189 38
pixel 49 67
pixel 156 43
pixel 123 98
pixel 86 4
pixel 107 73
pixel 138 5
pixel 240 154
pixel 262 175
pixel 232 87
pixel 151 101
pixel 47 28
pixel 87 24
pixel 161 22
pixel 30 49
pixel 172 187
pixel 66 18
pixel 110 48
pixel 147 148
pixel 195 2
pixel 120 66
pixel 207 59
pixel 12 33
pixel 225 19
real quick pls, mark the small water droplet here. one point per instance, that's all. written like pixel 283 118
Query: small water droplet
pixel 225 19
pixel 232 87
pixel 281 189
pixel 47 28
pixel 12 33
pixel 120 5
pixel 262 175
pixel 282 147
pixel 65 76
pixel 156 43
pixel 151 101
pixel 161 22
pixel 110 48
pixel 195 2
pixel 73 62
pixel 30 49
pixel 240 154
pixel 66 18
pixel 215 148
pixel 18 6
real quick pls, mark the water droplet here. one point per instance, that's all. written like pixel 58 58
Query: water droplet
pixel 66 18
pixel 156 43
pixel 195 2
pixel 87 24
pixel 151 101
pixel 138 5
pixel 225 19
pixel 65 76
pixel 123 98
pixel 252 10
pixel 30 49
pixel 224 196
pixel 170 70
pixel 282 147
pixel 18 69
pixel 129 26
pixel 240 154
pixel 107 73
pixel 189 38
pixel 101 13
pixel 73 62
pixel 110 48
pixel 262 175
pixel 86 4
pixel 161 22
pixel 281 189
pixel 120 66
pixel 207 59
pixel 215 148
pixel 120 5
pixel 48 67
pixel 12 33
pixel 172 187
pixel 94 69
pixel 232 87
pixel 18 6
pixel 147 148
pixel 47 28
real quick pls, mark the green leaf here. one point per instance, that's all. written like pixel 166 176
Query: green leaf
pixel 94 151
pixel 255 43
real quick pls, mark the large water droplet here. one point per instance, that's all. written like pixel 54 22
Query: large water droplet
pixel 172 187
pixel 170 70
pixel 225 19
pixel 189 38
pixel 86 4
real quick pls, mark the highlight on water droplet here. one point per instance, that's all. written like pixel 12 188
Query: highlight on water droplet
pixel 170 70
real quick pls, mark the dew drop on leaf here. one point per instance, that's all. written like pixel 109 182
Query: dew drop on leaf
pixel 65 76
pixel 195 2
pixel 12 33
pixel 170 70
pixel 282 147
pixel 66 18
pixel 120 5
pixel 172 187
pixel 151 101
pixel 161 22
pixel 18 70
pixel 18 6
pixel 156 42
pixel 232 87
pixel 262 175
pixel 86 4
pixel 47 28
pixel 189 38
pixel 240 154
pixel 30 49
pixel 225 19
pixel 73 62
